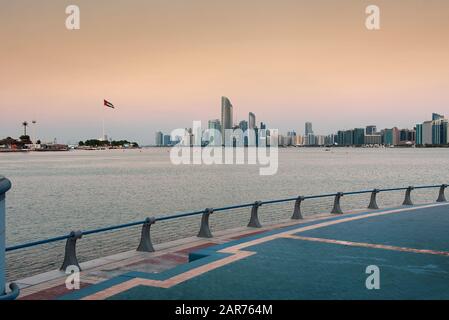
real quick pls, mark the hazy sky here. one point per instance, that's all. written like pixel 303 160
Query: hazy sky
pixel 164 63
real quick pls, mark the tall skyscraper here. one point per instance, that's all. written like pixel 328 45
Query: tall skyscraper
pixel 251 120
pixel 159 138
pixel 371 130
pixel 436 116
pixel 358 138
pixel 167 140
pixel 226 116
pixel 214 125
pixel 243 125
pixel 308 129
pixel 419 134
pixel 427 132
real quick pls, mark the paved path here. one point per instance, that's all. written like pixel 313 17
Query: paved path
pixel 321 259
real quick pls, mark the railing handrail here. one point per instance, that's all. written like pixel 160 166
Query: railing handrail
pixel 191 213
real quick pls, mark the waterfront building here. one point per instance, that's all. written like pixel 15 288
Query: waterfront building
pixel 373 139
pixel 348 138
pixel 370 130
pixel 358 136
pixel 299 140
pixel 310 139
pixel 320 140
pixel 308 128
pixel 331 139
pixel 436 116
pixel 243 125
pixel 427 132
pixel 226 116
pixel 188 138
pixel 158 138
pixel 419 134
pixel 391 137
pixel 407 137
pixel 214 124
pixel 439 131
pixel 167 140
pixel 251 120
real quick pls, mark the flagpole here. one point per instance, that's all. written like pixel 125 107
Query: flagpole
pixel 103 115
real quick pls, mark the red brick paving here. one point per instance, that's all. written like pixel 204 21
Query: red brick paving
pixel 52 293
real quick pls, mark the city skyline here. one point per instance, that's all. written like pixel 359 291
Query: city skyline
pixel 430 132
pixel 288 62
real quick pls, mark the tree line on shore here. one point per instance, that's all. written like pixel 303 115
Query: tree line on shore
pixel 105 143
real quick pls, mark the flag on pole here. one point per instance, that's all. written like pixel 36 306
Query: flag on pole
pixel 108 104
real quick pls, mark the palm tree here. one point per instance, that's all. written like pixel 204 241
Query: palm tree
pixel 24 124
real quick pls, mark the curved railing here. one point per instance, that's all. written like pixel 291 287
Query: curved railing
pixel 146 245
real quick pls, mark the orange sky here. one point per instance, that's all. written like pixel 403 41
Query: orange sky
pixel 165 63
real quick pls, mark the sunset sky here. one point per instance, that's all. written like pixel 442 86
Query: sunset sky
pixel 165 63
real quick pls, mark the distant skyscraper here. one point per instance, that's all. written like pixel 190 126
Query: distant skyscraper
pixel 226 116
pixel 158 138
pixel 419 134
pixel 251 120
pixel 263 126
pixel 427 132
pixel 371 130
pixel 212 126
pixel 167 140
pixel 243 125
pixel 358 136
pixel 308 129
pixel 436 116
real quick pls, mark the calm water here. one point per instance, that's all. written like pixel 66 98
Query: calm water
pixel 54 193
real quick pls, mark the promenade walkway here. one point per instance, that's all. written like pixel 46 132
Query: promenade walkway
pixel 320 258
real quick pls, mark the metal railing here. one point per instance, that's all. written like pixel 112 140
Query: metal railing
pixel 145 244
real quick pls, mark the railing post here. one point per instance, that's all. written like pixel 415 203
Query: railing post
pixel 145 244
pixel 297 210
pixel 373 202
pixel 441 196
pixel 70 258
pixel 5 185
pixel 408 199
pixel 254 221
pixel 204 229
pixel 337 209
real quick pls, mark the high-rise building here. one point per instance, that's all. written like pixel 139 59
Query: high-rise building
pixel 371 130
pixel 167 140
pixel 439 131
pixel 419 134
pixel 214 126
pixel 348 138
pixel 308 128
pixel 436 116
pixel 427 133
pixel 226 116
pixel 158 138
pixel 391 137
pixel 263 126
pixel 358 136
pixel 407 137
pixel 373 139
pixel 251 120
pixel 243 125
